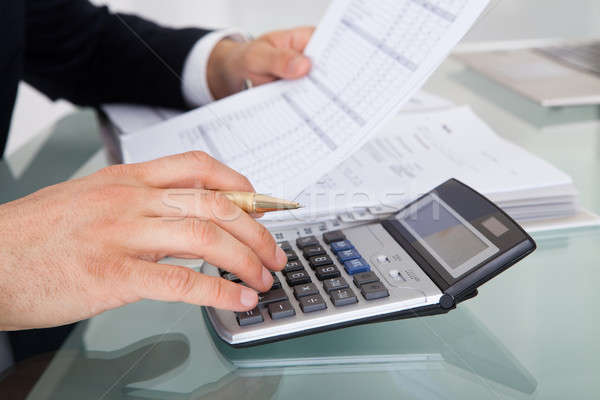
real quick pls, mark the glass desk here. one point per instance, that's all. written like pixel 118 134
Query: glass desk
pixel 532 333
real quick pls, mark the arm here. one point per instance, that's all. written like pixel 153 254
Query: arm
pixel 90 56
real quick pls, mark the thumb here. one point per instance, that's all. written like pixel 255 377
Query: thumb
pixel 263 58
pixel 174 283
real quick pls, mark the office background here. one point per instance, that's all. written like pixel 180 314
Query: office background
pixel 505 20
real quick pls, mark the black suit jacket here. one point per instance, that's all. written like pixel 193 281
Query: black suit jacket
pixel 73 50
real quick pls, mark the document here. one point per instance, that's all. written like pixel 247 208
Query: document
pixel 414 153
pixel 369 58
pixel 132 118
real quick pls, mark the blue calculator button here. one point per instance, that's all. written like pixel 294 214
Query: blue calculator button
pixel 341 246
pixel 356 266
pixel 346 255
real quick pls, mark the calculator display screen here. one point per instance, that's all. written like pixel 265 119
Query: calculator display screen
pixel 445 235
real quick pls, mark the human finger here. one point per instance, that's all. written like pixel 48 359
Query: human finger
pixel 194 169
pixel 174 283
pixel 197 238
pixel 214 206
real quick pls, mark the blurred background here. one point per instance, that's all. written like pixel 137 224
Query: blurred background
pixel 504 20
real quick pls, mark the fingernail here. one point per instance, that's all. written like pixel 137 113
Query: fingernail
pixel 280 255
pixel 297 65
pixel 267 277
pixel 248 297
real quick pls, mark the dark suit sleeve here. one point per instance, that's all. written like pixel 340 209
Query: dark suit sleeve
pixel 85 54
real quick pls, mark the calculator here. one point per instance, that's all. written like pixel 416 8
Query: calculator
pixel 425 259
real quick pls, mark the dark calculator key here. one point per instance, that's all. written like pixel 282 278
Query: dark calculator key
pixel 271 296
pixel 249 317
pixel 312 251
pixel 341 246
pixel 333 236
pixel 334 284
pixel 327 272
pixel 343 297
pixel 307 289
pixel 356 266
pixel 312 303
pixel 306 241
pixel 292 266
pixel 285 246
pixel 291 255
pixel 346 255
pixel 375 290
pixel 365 277
pixel 297 278
pixel 280 310
pixel 319 261
pixel 276 282
pixel 232 277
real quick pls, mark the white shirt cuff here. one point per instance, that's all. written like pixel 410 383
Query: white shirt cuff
pixel 196 91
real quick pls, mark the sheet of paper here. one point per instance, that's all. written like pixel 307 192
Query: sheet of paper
pixel 131 118
pixel 369 58
pixel 414 153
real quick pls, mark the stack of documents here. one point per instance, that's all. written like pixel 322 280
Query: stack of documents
pixel 347 140
pixel 415 152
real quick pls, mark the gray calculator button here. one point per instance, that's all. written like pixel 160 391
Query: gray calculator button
pixel 305 290
pixel 291 255
pixel 334 284
pixel 375 290
pixel 282 309
pixel 276 282
pixel 327 272
pixel 312 251
pixel 333 236
pixel 292 266
pixel 249 317
pixel 306 241
pixel 297 278
pixel 312 303
pixel 365 277
pixel 319 261
pixel 343 297
pixel 285 246
pixel 271 296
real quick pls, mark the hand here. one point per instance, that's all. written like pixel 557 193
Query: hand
pixel 272 56
pixel 76 249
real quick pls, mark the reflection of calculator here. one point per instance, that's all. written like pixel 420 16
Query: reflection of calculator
pixel 425 259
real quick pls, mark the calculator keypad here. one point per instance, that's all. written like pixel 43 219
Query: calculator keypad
pixel 327 259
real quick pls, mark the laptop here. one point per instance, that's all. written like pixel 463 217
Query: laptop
pixel 552 76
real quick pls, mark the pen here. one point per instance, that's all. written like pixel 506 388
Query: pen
pixel 254 203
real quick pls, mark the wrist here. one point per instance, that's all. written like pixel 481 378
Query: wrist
pixel 222 75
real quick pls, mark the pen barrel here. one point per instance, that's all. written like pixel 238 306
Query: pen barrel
pixel 243 200
pixel 254 203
